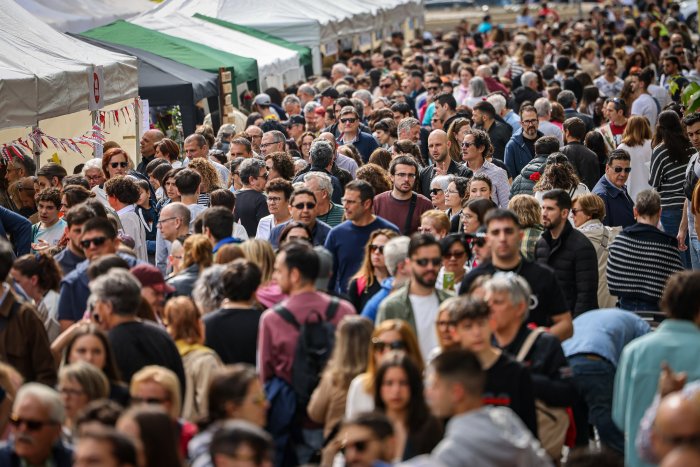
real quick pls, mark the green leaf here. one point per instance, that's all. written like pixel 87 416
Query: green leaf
pixel 689 94
pixel 693 103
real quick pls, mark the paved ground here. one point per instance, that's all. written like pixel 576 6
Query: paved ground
pixel 446 19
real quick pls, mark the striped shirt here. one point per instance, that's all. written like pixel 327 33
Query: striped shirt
pixel 667 177
pixel 640 260
pixel 334 216
pixel 499 180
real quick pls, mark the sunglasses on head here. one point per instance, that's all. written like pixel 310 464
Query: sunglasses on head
pixel 380 346
pixel 620 169
pixel 97 241
pixel 123 165
pixel 423 262
pixel 301 206
pixel 32 425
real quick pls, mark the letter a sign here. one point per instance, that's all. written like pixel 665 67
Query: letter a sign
pixel 96 85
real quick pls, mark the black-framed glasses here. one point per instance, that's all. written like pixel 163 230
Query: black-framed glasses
pixel 385 86
pixel 435 191
pixel 467 144
pixel 265 176
pixel 360 446
pixel 307 205
pixel 348 120
pixel 423 262
pixel 32 425
pixel 162 221
pixel 454 254
pixel 617 170
pixel 123 165
pixel 433 89
pixel 380 345
pixel 264 145
pixel 97 241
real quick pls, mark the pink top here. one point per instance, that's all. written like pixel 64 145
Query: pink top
pixel 277 339
pixel 270 294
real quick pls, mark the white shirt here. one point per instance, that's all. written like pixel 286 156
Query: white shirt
pixel 132 226
pixel 640 162
pixel 358 400
pixel 645 106
pixel 425 311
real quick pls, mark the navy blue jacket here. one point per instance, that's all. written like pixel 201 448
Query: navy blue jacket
pixel 319 232
pixel 18 228
pixel 364 143
pixel 61 455
pixel 517 155
pixel 618 204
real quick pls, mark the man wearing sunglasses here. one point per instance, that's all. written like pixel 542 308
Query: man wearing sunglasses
pixel 612 190
pixel 303 207
pixel 36 420
pixel 99 238
pixel 367 440
pixel 418 301
pixel 349 124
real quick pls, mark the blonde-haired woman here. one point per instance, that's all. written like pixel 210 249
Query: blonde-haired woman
pixel 185 326
pixel 636 140
pixel 349 359
pixel 80 383
pixel 368 279
pixel 588 214
pixel 389 335
pixel 210 178
pixel 529 213
pixel 261 253
pixel 196 257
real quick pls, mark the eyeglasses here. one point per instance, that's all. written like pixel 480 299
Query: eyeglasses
pixel 576 211
pixel 529 122
pixel 301 206
pixel 162 221
pixel 273 199
pixel 123 165
pixel 32 425
pixel 479 242
pixel 620 169
pixel 264 145
pixel 432 89
pixel 376 248
pixel 305 145
pixel 445 324
pixel 435 191
pixel 348 120
pixel 385 86
pixel 360 445
pixel 148 400
pixel 467 144
pixel 380 345
pixel 97 241
pixel 452 192
pixel 265 175
pixel 454 254
pixel 423 262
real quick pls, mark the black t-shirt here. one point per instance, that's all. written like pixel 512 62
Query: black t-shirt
pixel 251 206
pixel 360 300
pixel 233 334
pixel 548 299
pixel 508 383
pixel 137 344
pixel 530 145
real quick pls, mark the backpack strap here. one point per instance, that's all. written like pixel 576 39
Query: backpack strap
pixel 529 342
pixel 606 238
pixel 332 308
pixel 409 218
pixel 286 315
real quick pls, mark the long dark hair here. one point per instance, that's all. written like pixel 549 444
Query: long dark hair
pixel 159 435
pixel 110 370
pixel 670 133
pixel 417 410
pixel 228 384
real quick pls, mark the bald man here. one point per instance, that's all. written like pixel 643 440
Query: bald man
pixel 677 422
pixel 148 148
pixel 441 162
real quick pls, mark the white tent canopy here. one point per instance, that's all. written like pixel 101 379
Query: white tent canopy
pixel 44 73
pixel 305 22
pixel 80 15
pixel 277 65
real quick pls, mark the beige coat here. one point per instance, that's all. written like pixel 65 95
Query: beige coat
pixel 200 362
pixel 327 404
pixel 601 237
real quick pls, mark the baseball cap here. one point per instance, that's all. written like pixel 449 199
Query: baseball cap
pixel 330 92
pixel 296 120
pixel 263 100
pixel 150 276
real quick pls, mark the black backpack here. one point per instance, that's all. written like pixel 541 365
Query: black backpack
pixel 314 347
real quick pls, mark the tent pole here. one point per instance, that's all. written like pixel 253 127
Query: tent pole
pixel 36 149
pixel 137 125
pixel 97 150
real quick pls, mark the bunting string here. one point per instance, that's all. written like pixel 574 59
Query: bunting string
pixel 22 147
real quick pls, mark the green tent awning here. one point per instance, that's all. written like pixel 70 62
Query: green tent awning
pixel 244 70
pixel 304 53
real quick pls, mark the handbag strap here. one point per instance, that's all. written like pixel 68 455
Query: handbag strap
pixel 529 342
pixel 411 210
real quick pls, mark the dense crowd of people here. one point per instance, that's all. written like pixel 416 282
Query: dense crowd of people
pixel 474 248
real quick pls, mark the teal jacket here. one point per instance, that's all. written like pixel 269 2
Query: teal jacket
pixel 398 306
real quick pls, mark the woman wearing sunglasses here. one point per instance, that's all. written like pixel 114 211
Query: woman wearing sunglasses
pixel 455 254
pixel 368 279
pixel 389 335
pixel 115 162
pixel 438 187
